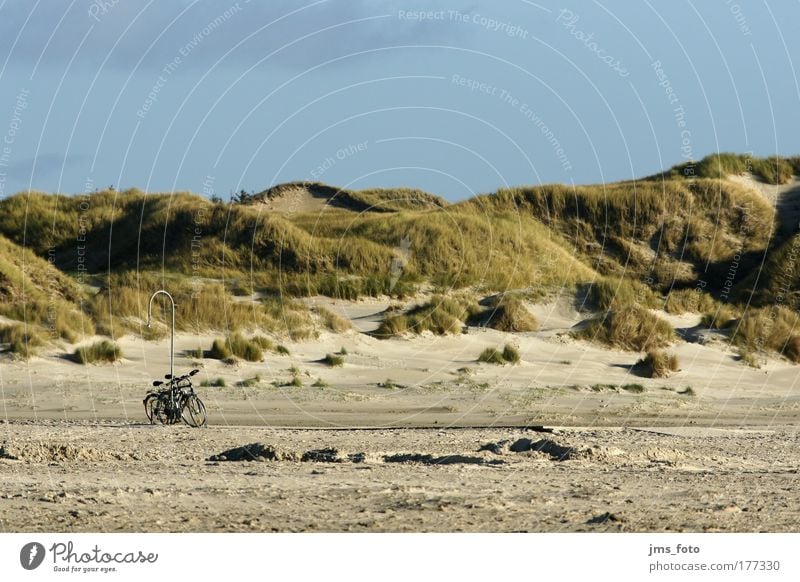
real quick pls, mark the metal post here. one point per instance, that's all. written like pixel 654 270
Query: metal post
pixel 172 337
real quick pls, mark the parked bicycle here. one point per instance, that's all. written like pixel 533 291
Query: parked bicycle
pixel 175 400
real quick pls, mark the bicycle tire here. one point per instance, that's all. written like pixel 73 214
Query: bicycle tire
pixel 161 411
pixel 196 410
pixel 150 405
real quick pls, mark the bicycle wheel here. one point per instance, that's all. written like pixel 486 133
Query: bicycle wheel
pixel 194 411
pixel 150 407
pixel 160 410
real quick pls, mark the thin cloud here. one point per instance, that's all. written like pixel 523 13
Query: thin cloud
pixel 52 31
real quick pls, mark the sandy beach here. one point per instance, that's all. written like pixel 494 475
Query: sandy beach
pixel 569 439
pixel 423 381
pixel 130 477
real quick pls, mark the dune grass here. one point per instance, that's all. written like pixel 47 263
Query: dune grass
pixel 33 291
pixel 508 355
pixel 614 292
pixel 658 364
pixel 508 313
pixel 21 341
pixel 236 345
pixel 749 358
pixel 440 315
pixel 103 351
pixel 333 322
pixel 772 170
pixel 629 328
pixel 333 360
pixel 778 282
pixel 768 330
pixel 216 383
pixel 682 301
pixel 721 318
pixel 626 244
pixel 492 356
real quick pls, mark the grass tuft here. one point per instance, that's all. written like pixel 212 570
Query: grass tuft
pixel 102 351
pixel 508 355
pixel 721 318
pixel 441 315
pixel 658 364
pixel 217 383
pixel 332 321
pixel 21 341
pixel 629 328
pixel 240 347
pixel 333 360
pixel 510 314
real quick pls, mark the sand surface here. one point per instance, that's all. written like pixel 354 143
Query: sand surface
pixel 422 381
pixel 123 477
pixel 712 448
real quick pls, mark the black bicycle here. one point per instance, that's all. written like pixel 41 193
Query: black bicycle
pixel 175 400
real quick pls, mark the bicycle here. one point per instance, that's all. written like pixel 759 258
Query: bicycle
pixel 174 402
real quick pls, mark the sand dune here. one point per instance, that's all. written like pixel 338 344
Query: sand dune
pixel 424 380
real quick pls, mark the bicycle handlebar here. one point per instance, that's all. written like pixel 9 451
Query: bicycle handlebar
pixel 176 380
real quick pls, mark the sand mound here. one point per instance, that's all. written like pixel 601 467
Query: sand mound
pixel 61 453
pixel 255 452
pixel 299 197
pixel 560 452
pixel 556 451
pixel 662 455
pixel 603 454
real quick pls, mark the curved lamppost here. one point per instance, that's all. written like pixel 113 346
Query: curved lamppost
pixel 172 337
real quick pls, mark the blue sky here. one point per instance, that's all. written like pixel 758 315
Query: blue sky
pixel 452 97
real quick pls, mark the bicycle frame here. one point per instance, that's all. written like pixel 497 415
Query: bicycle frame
pixel 168 404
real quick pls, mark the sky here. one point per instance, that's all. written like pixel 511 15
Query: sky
pixel 452 97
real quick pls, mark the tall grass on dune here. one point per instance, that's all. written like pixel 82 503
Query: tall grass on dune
pixel 121 307
pixel 99 352
pixel 627 244
pixel 33 291
pixel 720 318
pixel 658 364
pixel 508 313
pixel 607 293
pixel 629 328
pixel 250 349
pixel 20 340
pixel 772 170
pixel 440 315
pixel 692 300
pixel 775 329
pixel 333 321
pixel 508 355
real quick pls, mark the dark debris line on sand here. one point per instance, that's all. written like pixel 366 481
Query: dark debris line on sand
pixel 262 452
pixel 266 452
